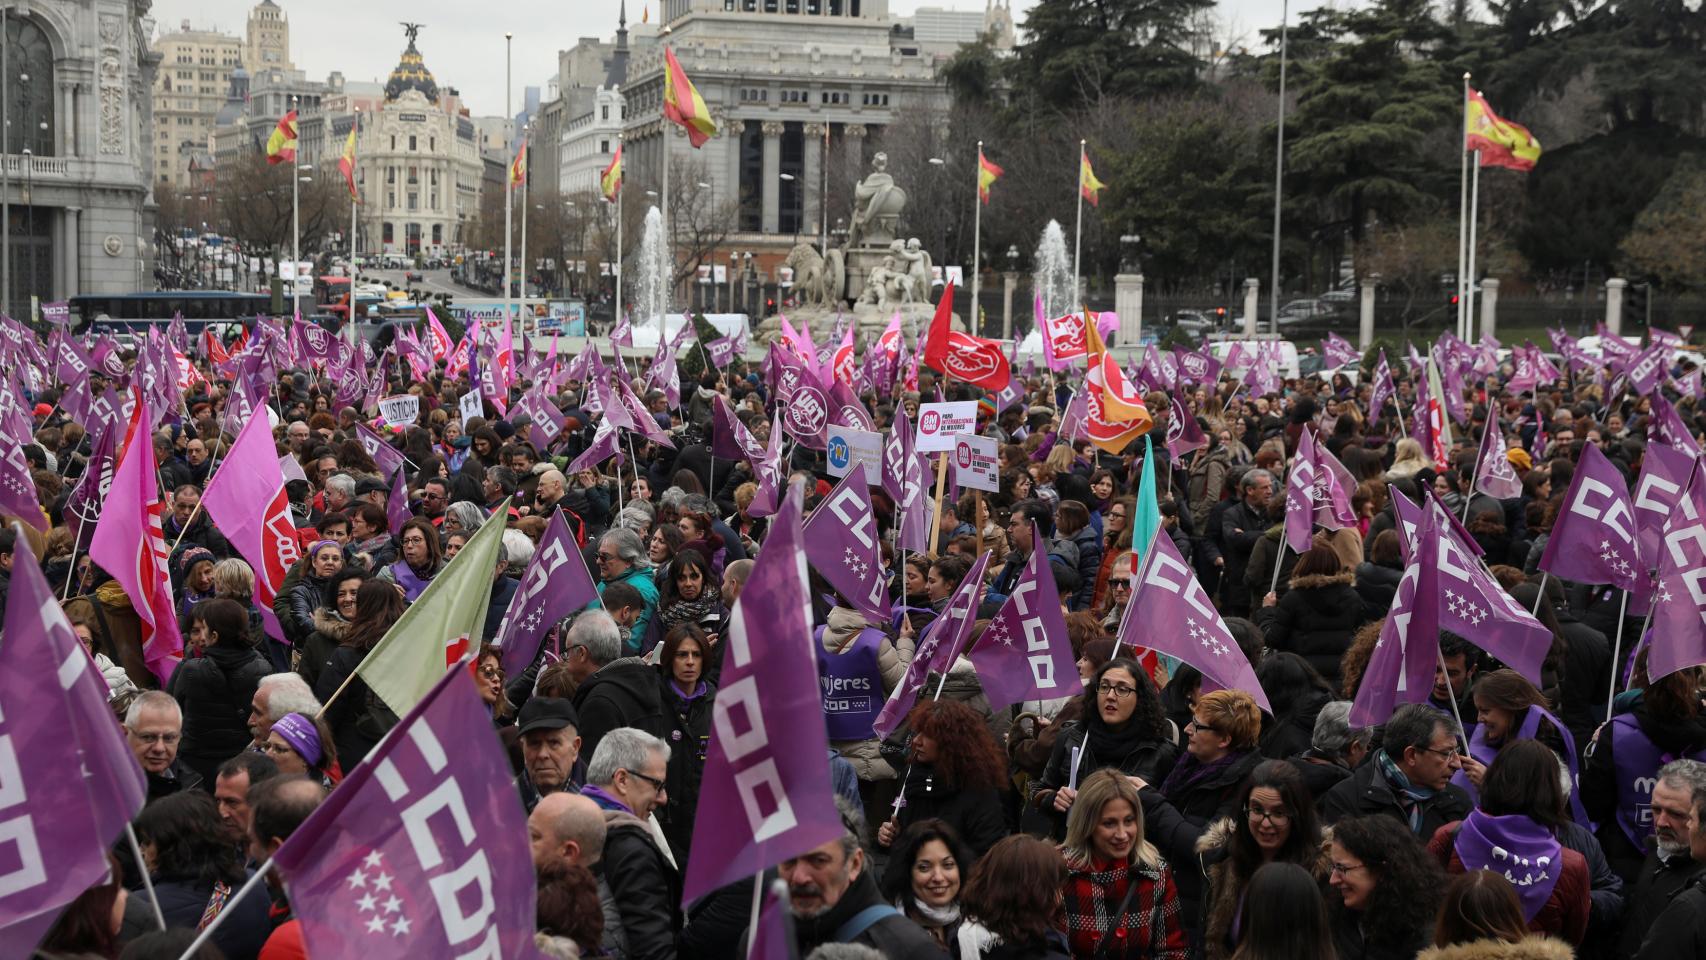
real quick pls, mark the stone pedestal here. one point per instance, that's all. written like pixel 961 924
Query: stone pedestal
pixel 1252 297
pixel 1128 303
pixel 1365 330
pixel 1489 306
pixel 1614 304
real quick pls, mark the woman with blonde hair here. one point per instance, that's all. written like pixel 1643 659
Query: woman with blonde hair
pixel 1407 460
pixel 1120 901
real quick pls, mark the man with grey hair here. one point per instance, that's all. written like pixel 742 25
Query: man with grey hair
pixel 1669 868
pixel 626 780
pixel 621 558
pixel 340 492
pixel 613 691
pixel 277 695
pixel 1335 749
pixel 835 900
pixel 1241 525
pixel 154 726
pixel 1680 930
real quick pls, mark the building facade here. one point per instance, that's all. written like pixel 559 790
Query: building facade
pixel 77 157
pixel 267 45
pixel 189 88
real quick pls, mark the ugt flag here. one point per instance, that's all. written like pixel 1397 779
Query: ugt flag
pixel 1024 653
pixel 69 782
pixel 1593 539
pixel 422 850
pixel 246 499
pixel 766 786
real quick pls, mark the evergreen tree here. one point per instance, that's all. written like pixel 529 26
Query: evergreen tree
pixel 1083 50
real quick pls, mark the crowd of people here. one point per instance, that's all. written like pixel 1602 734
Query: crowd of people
pixel 1152 814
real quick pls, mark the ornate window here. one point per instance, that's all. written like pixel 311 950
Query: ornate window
pixel 30 102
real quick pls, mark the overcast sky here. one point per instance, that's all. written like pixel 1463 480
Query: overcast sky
pixel 463 43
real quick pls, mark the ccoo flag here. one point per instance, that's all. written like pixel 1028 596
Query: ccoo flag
pixel 422 849
pixel 682 104
pixel 1177 618
pixel 556 584
pixel 1679 609
pixel 249 477
pixel 1593 539
pixel 766 783
pixel 938 648
pixel 442 626
pixel 841 543
pixel 1024 653
pixel 1401 669
pixel 71 782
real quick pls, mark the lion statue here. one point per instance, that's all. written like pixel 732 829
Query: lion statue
pixel 818 280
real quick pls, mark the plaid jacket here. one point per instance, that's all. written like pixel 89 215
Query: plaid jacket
pixel 1149 929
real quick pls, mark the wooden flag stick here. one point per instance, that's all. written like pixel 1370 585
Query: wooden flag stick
pixel 936 517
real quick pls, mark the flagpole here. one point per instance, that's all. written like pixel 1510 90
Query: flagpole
pixel 1279 172
pixel 616 271
pixel 1616 655
pixel 1467 301
pixel 526 183
pixel 1462 210
pixel 1078 229
pixel 354 202
pixel 509 185
pixel 295 224
pixel 142 868
pixel 667 248
pixel 1456 711
pixel 976 246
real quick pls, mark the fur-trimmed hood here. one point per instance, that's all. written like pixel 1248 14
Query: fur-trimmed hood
pixel 1216 836
pixel 328 622
pixel 1318 580
pixel 1530 948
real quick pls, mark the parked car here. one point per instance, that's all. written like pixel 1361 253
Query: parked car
pixel 1308 314
pixel 413 276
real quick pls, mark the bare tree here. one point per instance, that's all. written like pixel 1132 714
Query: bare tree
pixel 255 206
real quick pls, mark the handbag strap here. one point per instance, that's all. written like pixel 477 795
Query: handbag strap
pixel 1119 915
pixel 862 921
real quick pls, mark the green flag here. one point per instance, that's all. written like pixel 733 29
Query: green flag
pixel 442 626
pixel 1148 517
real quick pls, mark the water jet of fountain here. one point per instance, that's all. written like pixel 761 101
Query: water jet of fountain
pixel 1053 276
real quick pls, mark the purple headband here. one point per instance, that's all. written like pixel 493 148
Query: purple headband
pixel 300 732
pixel 315 549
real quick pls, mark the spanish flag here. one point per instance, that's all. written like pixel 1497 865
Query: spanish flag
pixel 682 103
pixel 1088 185
pixel 346 163
pixel 987 173
pixel 281 146
pixel 1499 142
pixel 611 180
pixel 518 166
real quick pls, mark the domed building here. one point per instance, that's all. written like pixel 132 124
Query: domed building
pixel 417 163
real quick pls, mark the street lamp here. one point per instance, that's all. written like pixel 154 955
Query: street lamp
pixel 29 219
pixel 799 206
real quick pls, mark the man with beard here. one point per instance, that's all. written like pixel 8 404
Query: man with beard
pixel 828 886
pixel 1669 868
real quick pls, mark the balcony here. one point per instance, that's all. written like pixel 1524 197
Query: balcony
pixel 20 167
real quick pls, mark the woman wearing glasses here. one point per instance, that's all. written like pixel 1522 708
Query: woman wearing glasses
pixel 489 681
pixel 1385 889
pixel 1122 729
pixel 1275 823
pixel 420 559
pixel 1120 900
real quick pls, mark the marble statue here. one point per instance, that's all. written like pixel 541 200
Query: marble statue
pixel 916 262
pixel 818 279
pixel 877 204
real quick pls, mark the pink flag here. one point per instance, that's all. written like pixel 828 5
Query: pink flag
pixel 841 543
pixel 130 544
pixel 766 785
pixel 1593 539
pixel 422 850
pixel 1171 613
pixel 1679 611
pixel 440 336
pixel 844 364
pixel 937 649
pixel 246 500
pixel 1024 653
pixel 1494 475
pixel 1184 434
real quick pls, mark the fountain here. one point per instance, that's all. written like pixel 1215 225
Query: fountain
pixel 1053 276
pixel 648 294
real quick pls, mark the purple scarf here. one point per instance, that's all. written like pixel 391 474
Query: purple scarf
pixel 1190 771
pixel 412 583
pixel 1516 848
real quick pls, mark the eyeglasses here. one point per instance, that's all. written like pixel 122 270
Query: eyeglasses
pixel 414 541
pixel 1278 818
pixel 654 781
pixel 1119 583
pixel 492 673
pixel 1194 724
pixel 606 557
pixel 1340 869
pixel 433 496
pixel 1449 753
pixel 1119 690
pixel 165 738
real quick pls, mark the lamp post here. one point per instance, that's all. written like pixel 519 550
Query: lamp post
pixel 29 220
pixel 799 206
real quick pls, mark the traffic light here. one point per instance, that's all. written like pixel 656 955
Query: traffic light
pixel 769 306
pixel 1638 303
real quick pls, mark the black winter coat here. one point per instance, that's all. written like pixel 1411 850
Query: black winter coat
pixel 689 737
pixel 215 691
pixel 1377 585
pixel 1366 792
pixel 622 693
pixel 1175 821
pixel 1316 620
pixel 974 814
pixel 1152 760
pixel 358 717
pixel 646 887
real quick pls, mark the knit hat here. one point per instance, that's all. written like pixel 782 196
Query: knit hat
pixel 187 558
pixel 1519 458
pixel 303 737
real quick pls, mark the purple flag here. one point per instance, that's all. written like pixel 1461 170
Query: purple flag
pixel 1401 669
pixel 1689 384
pixel 847 409
pixel 422 849
pixel 774 938
pixel 71 782
pixel 1075 420
pixel 903 481
pixel 1337 351
pixel 602 447
pixel 1679 611
pixel 1313 495
pixel 1383 389
pixel 1471 604
pixel 1196 366
pixel 90 494
pixel 643 422
pixel 730 439
pixel 1593 539
pixel 766 784
pixel 937 649
pixel 71 364
pixel 389 458
pixel 537 408
pixel 397 510
pixel 17 487
pixel 1665 473
pixel 1494 475
pixel 805 414
pixel 720 351
pixel 1184 434
pixel 556 584
pixel 768 474
pixel 1024 653
pixel 1666 426
pixel 1178 619
pixel 1646 369
pixel 1524 374
pixel 841 543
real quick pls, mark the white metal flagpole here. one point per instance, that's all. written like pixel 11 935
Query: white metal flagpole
pixel 295 222
pixel 1078 230
pixel 354 202
pixel 667 248
pixel 525 184
pixel 509 190
pixel 1467 301
pixel 1463 216
pixel 616 268
pixel 976 237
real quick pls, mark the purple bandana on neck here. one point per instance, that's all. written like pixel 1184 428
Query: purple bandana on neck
pixel 1516 848
pixel 412 583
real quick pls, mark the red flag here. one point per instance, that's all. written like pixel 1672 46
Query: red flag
pixel 961 355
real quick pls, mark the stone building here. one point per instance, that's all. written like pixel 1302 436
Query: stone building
pixel 78 150
pixel 267 44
